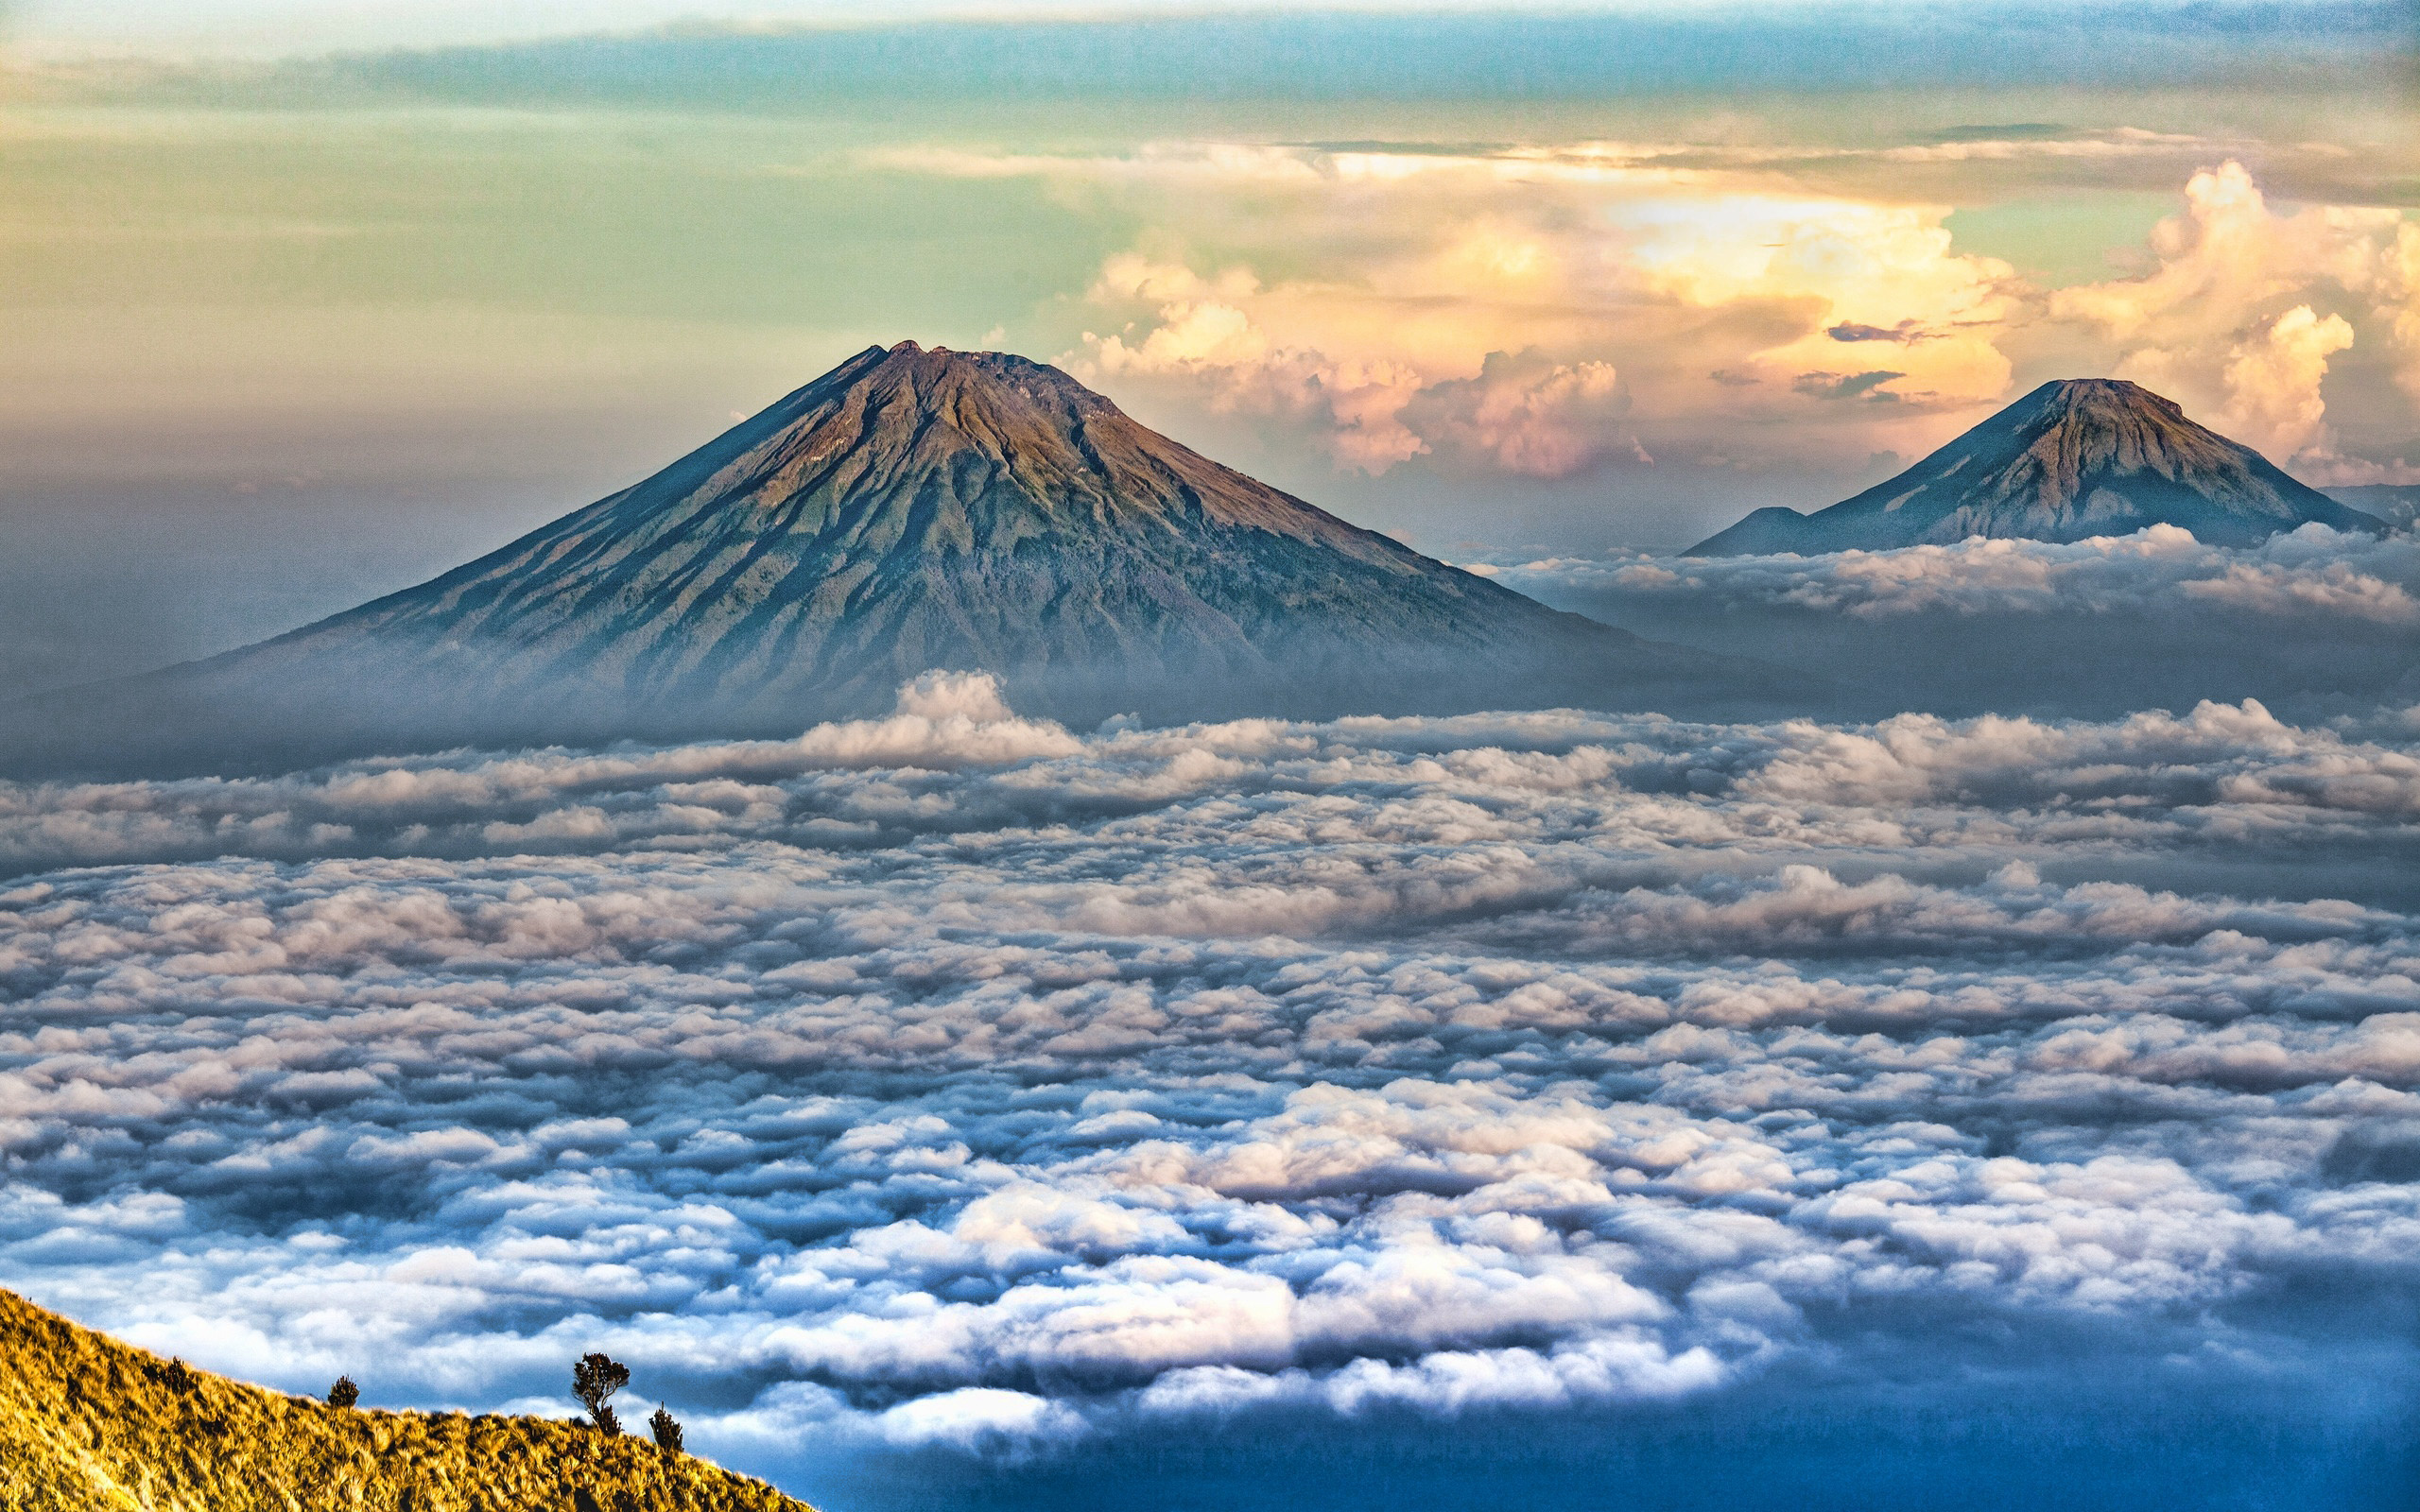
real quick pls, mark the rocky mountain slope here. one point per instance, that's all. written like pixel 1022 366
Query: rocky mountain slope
pixel 2071 459
pixel 88 1424
pixel 911 510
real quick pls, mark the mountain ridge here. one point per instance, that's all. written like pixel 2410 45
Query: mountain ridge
pixel 2074 458
pixel 91 1424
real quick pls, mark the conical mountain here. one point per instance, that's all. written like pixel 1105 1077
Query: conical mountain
pixel 2071 459
pixel 915 510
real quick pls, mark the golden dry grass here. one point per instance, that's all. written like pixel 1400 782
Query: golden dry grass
pixel 88 1424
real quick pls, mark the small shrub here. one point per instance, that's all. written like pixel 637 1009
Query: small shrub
pixel 666 1429
pixel 344 1393
pixel 176 1376
pixel 596 1378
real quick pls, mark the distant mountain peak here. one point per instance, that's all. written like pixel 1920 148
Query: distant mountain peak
pixel 2074 458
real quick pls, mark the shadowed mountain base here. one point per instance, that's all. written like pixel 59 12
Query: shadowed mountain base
pixel 88 1424
pixel 205 721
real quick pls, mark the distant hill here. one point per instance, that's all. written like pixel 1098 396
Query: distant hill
pixel 911 510
pixel 2071 459
pixel 2397 503
pixel 88 1424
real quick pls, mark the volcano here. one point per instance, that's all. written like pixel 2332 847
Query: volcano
pixel 2071 459
pixel 916 510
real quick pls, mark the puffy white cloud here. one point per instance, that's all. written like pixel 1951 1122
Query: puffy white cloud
pixel 2273 377
pixel 1532 417
pixel 1205 336
pixel 957 1083
pixel 2225 321
pixel 1498 311
pixel 976 1416
pixel 1764 308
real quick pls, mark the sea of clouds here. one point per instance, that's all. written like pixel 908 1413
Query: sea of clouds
pixel 958 1083
pixel 2314 624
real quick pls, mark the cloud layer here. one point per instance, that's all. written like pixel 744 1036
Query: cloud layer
pixel 955 1082
pixel 2312 623
pixel 1551 310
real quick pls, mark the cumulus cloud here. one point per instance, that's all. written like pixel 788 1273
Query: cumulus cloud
pixel 2272 376
pixel 1532 417
pixel 1522 413
pixel 1203 335
pixel 1455 306
pixel 2225 321
pixel 959 1083
pixel 1498 311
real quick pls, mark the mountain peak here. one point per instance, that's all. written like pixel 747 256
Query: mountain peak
pixel 944 382
pixel 919 510
pixel 2085 396
pixel 961 450
pixel 2074 458
pixel 2112 406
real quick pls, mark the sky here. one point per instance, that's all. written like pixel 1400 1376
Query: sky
pixel 290 28
pixel 2011 1103
pixel 288 329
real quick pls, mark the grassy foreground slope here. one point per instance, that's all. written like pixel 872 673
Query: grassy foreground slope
pixel 88 1424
